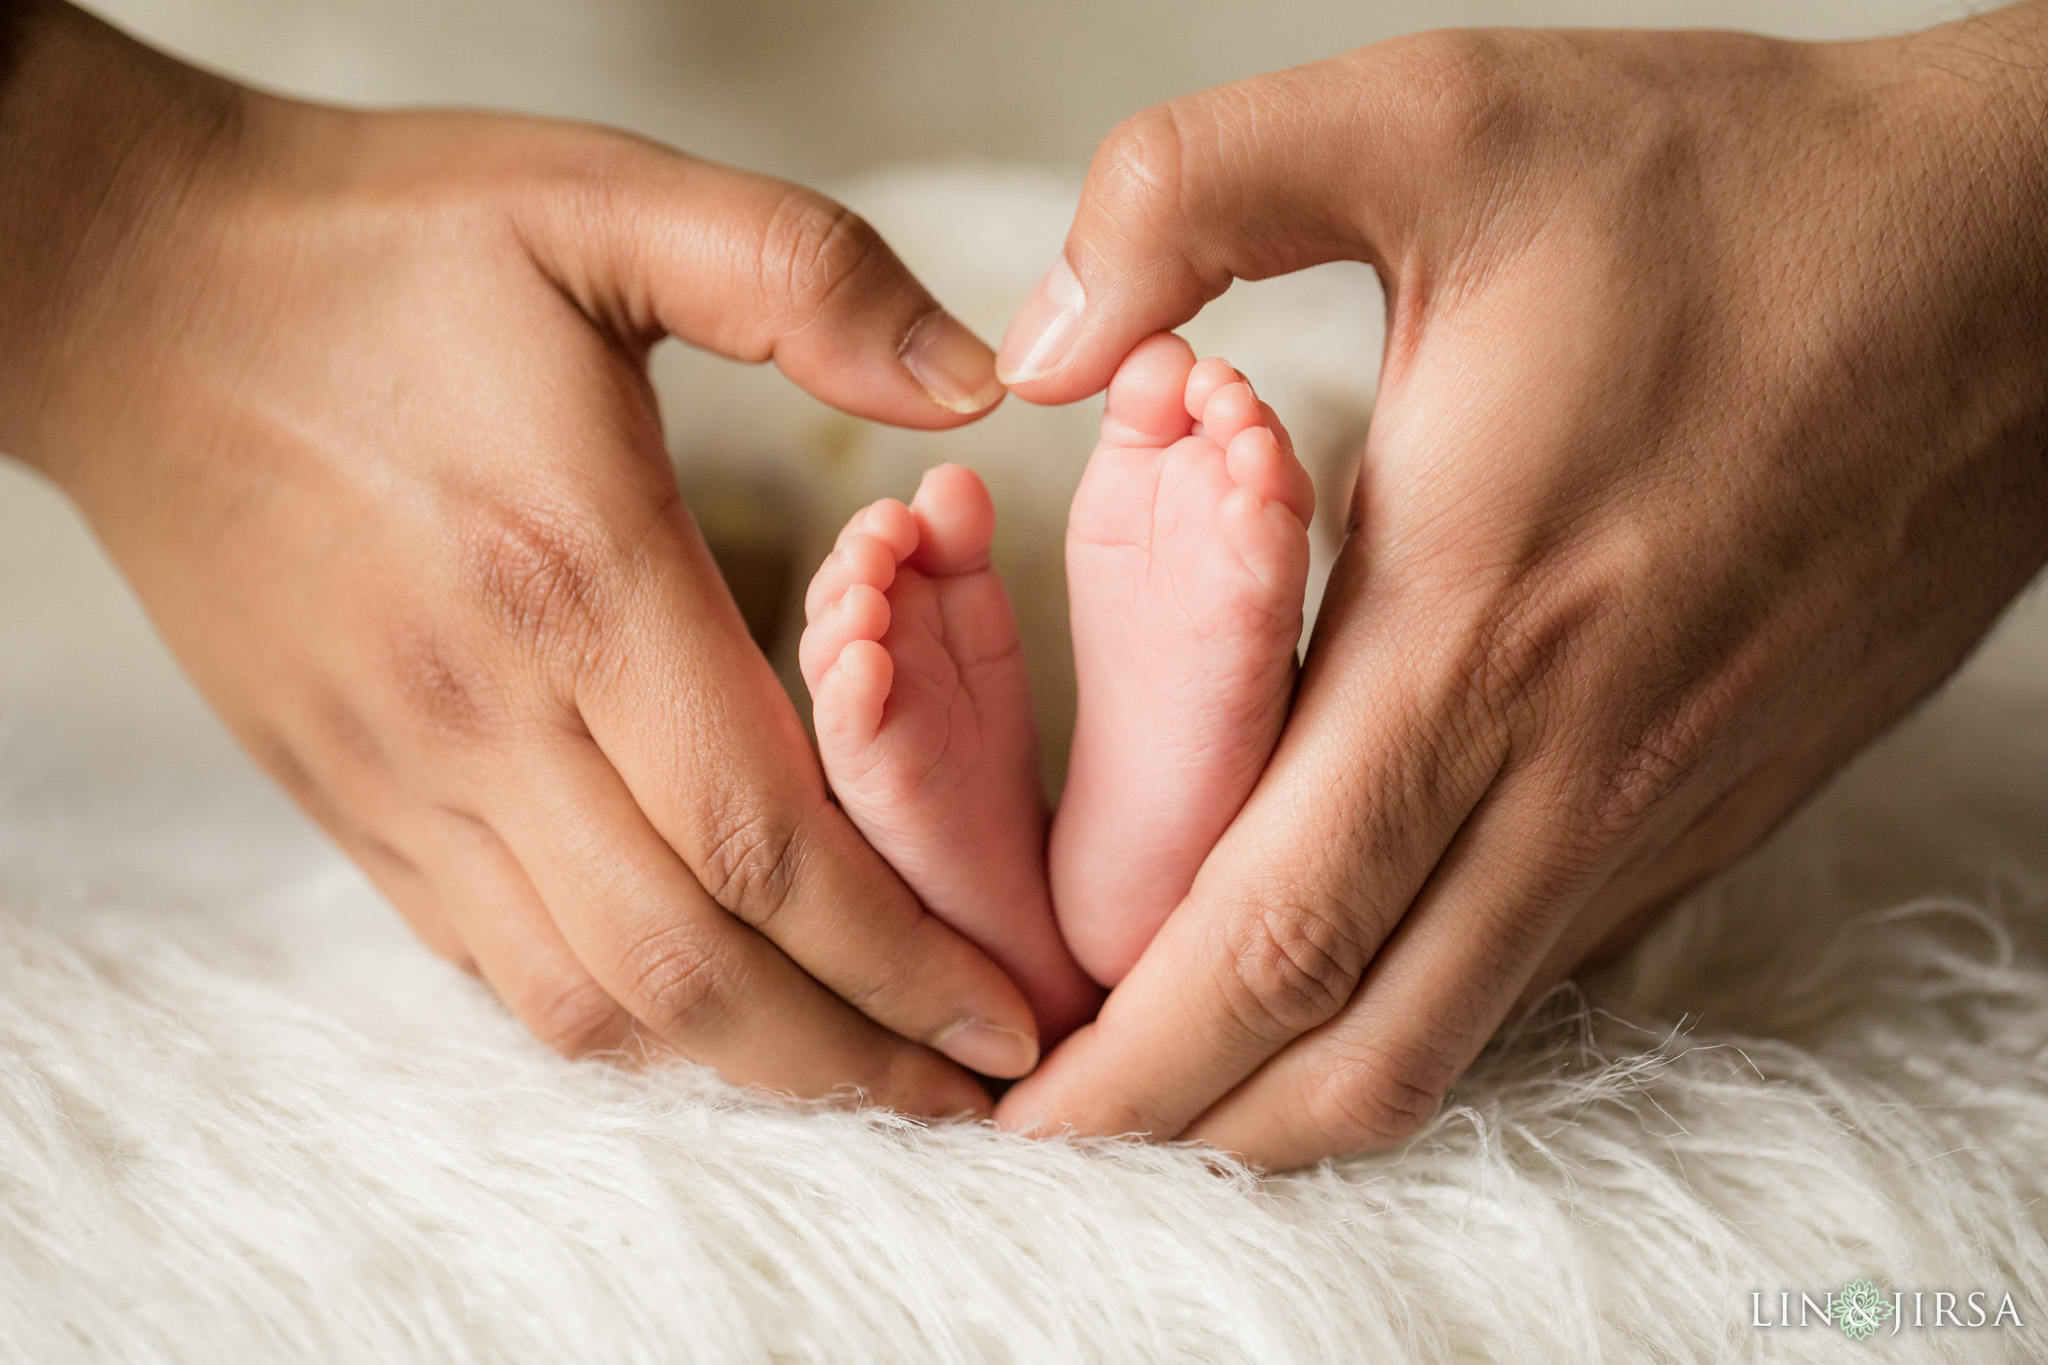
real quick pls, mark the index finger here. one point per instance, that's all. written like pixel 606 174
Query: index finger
pixel 711 749
pixel 668 683
pixel 757 269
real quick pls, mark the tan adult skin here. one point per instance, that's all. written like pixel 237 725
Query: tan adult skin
pixel 1712 432
pixel 358 403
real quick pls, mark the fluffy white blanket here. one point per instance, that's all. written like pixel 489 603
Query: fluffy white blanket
pixel 244 1117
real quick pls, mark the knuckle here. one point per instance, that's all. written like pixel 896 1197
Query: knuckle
pixel 1632 705
pixel 1529 634
pixel 1469 111
pixel 815 251
pixel 570 1012
pixel 679 984
pixel 1139 169
pixel 1377 1095
pixel 1508 662
pixel 540 577
pixel 608 170
pixel 443 690
pixel 1141 185
pixel 1655 765
pixel 1293 968
pixel 751 863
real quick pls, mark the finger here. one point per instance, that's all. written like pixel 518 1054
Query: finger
pixel 1302 890
pixel 1436 992
pixel 1266 176
pixel 694 978
pixel 461 891
pixel 1509 910
pixel 619 597
pixel 397 875
pixel 1512 905
pixel 730 781
pixel 652 242
pixel 861 613
pixel 516 947
pixel 403 884
pixel 1642 889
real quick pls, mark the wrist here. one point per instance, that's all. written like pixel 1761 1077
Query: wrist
pixel 1952 148
pixel 1982 86
pixel 2004 79
pixel 103 148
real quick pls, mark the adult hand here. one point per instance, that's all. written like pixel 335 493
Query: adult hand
pixel 1713 430
pixel 359 404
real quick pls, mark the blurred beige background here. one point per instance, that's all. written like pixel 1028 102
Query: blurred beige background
pixel 818 89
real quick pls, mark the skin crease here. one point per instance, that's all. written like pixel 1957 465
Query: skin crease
pixel 358 403
pixel 1712 433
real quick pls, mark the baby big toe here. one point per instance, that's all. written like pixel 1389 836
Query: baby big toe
pixel 1146 404
pixel 956 522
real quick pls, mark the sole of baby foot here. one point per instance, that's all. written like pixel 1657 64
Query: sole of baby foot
pixel 1187 561
pixel 923 713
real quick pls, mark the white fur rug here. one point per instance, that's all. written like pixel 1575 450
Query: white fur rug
pixel 244 1117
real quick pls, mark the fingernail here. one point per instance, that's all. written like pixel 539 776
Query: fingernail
pixel 952 363
pixel 989 1049
pixel 1044 327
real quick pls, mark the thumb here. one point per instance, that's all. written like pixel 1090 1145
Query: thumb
pixel 1246 181
pixel 650 242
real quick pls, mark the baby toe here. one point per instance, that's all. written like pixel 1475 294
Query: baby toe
pixel 1271 421
pixel 956 522
pixel 1269 541
pixel 1204 380
pixel 1258 461
pixel 862 613
pixel 848 700
pixel 1232 408
pixel 888 521
pixel 860 559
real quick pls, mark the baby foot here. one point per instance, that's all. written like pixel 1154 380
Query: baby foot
pixel 1187 559
pixel 923 712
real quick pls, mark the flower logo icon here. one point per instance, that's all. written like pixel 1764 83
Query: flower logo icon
pixel 1859 1310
